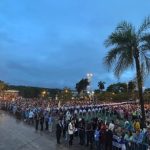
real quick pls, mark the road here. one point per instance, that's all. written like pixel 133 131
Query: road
pixel 17 135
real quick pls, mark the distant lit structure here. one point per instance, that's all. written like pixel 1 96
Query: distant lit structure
pixel 44 93
pixel 89 77
pixel 89 89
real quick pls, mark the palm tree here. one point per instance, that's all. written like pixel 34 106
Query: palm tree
pixel 128 48
pixel 101 85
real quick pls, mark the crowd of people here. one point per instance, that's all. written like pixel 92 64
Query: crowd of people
pixel 98 126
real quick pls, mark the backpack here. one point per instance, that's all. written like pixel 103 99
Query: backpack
pixel 97 135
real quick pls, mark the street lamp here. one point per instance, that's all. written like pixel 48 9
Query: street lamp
pixel 66 91
pixel 89 78
pixel 92 93
pixel 43 93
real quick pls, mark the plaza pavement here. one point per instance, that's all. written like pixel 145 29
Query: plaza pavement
pixel 17 135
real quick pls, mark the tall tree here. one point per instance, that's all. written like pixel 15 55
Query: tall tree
pixel 117 87
pixel 101 85
pixel 82 85
pixel 128 48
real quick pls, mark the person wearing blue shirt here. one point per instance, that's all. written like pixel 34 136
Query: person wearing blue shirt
pixel 97 138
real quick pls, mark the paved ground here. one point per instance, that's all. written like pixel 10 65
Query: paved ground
pixel 17 135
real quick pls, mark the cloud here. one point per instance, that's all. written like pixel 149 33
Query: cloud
pixel 56 43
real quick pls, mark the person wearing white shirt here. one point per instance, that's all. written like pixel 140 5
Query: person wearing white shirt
pixel 89 110
pixel 80 111
pixel 70 132
pixel 84 111
pixel 112 126
pixel 75 112
pixel 31 115
pixel 50 123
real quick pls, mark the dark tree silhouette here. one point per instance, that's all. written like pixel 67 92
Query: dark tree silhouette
pixel 82 85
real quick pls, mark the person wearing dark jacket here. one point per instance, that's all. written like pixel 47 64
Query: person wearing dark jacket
pixel 109 139
pixel 46 118
pixel 82 134
pixel 89 135
pixel 58 131
pixel 41 121
pixel 37 117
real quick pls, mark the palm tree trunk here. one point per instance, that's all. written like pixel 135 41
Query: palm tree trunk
pixel 140 88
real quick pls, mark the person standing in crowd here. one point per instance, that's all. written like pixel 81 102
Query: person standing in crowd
pixel 41 120
pixel 58 131
pixel 70 132
pixel 82 133
pixel 136 125
pixel 37 117
pixel 31 115
pixel 103 136
pixel 112 126
pixel 147 136
pixel 64 128
pixel 97 138
pixel 89 135
pixel 46 118
pixel 109 139
pixel 50 123
pixel 76 124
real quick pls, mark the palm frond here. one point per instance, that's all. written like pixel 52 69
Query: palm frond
pixel 145 63
pixel 124 34
pixel 145 52
pixel 145 42
pixel 145 25
pixel 115 39
pixel 124 26
pixel 112 56
pixel 124 62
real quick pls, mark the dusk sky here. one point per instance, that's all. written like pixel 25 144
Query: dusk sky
pixel 55 43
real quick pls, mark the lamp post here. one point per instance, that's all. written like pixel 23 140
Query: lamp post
pixel 43 94
pixel 92 93
pixel 89 78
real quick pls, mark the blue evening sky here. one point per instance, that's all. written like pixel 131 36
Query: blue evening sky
pixel 55 43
